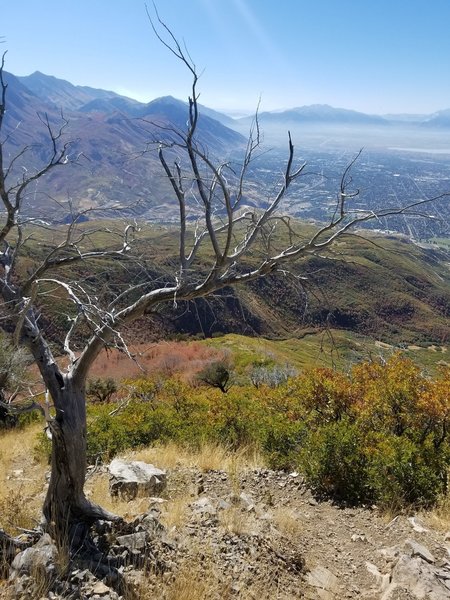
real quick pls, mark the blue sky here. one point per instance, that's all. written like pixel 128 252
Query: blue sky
pixel 376 56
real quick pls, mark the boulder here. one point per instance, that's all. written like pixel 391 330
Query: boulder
pixel 417 578
pixel 130 479
pixel 43 555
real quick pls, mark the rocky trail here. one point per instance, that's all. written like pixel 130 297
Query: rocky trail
pixel 255 533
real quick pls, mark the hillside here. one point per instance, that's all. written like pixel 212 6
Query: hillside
pixel 228 527
pixel 385 288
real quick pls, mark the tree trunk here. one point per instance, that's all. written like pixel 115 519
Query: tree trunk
pixel 67 511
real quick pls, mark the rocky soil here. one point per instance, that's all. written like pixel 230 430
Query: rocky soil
pixel 254 534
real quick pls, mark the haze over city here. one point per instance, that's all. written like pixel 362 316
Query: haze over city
pixel 383 57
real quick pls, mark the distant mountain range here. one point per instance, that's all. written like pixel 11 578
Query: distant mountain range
pixel 325 114
pixel 114 138
pixel 67 96
pixel 114 135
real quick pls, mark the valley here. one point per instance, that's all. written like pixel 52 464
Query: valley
pixel 113 163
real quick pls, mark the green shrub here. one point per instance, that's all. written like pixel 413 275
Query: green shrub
pixel 377 435
pixel 401 473
pixel 334 462
pixel 282 442
pixel 217 375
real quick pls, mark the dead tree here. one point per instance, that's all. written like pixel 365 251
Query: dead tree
pixel 243 245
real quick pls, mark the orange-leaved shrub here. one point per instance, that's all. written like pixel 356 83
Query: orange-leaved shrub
pixel 377 434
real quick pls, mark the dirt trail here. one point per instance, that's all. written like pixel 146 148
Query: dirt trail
pixel 261 534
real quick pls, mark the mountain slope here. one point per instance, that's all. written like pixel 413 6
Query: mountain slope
pixel 319 113
pixel 62 93
pixel 113 145
pixel 440 119
pixel 384 287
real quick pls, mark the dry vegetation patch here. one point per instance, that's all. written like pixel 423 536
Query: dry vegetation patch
pixel 162 358
pixel 21 479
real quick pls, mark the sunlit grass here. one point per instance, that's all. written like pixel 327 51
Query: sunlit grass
pixel 208 457
pixel 22 479
pixel 329 348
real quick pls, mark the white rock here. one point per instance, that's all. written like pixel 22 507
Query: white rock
pixel 323 578
pixel 417 526
pixel 204 505
pixel 100 588
pixel 420 550
pixel 382 581
pixel 136 478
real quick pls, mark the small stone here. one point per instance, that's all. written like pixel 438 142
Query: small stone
pixel 134 541
pixel 417 526
pixel 245 500
pixel 320 577
pixel 203 505
pixel 382 581
pixel 100 588
pixel 43 555
pixel 223 504
pixel 155 501
pixel 168 542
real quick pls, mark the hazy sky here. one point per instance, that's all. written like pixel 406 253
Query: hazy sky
pixel 375 56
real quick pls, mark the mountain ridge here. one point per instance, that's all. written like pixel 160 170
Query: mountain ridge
pixel 40 83
pixel 114 142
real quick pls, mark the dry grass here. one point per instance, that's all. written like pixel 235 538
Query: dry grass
pixel 97 489
pixel 174 512
pixel 194 582
pixel 200 579
pixel 235 520
pixel 21 479
pixel 174 509
pixel 287 522
pixel 439 517
pixel 197 579
pixel 209 457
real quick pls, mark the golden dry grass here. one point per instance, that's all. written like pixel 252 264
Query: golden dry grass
pixel 237 521
pixel 439 517
pixel 97 489
pixel 171 456
pixel 174 512
pixel 21 479
pixel 197 579
pixel 209 457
